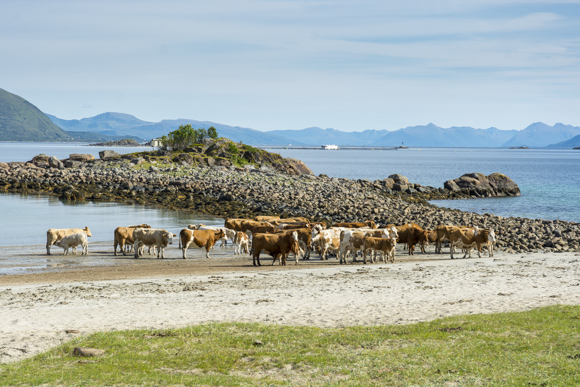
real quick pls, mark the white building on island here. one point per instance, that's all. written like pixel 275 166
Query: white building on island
pixel 330 147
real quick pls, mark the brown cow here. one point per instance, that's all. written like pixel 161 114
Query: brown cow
pixel 411 234
pixel 124 236
pixel 386 245
pixel 277 245
pixel 304 239
pixel 201 238
pixel 367 224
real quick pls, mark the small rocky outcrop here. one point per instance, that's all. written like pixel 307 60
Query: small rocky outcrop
pixel 479 185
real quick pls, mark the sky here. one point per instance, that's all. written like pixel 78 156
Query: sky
pixel 293 64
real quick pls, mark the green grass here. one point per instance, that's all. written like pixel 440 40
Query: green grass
pixel 536 348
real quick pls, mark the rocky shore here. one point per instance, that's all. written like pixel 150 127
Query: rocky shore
pixel 284 187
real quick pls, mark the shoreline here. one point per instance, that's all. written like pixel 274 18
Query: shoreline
pixel 157 294
pixel 233 192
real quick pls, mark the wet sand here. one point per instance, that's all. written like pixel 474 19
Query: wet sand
pixel 102 292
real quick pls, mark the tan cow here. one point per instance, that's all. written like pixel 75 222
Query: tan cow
pixel 157 237
pixel 266 218
pixel 277 245
pixel 299 219
pixel 201 238
pixel 467 239
pixel 443 232
pixel 54 235
pixel 124 236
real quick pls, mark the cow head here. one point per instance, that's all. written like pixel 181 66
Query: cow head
pixel 88 231
pixel 168 238
pixel 393 232
pixel 219 234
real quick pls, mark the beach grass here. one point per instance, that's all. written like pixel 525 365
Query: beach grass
pixel 540 347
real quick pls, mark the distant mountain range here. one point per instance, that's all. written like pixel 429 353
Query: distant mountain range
pixel 537 135
pixel 22 121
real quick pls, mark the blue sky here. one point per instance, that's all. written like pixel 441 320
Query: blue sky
pixel 266 65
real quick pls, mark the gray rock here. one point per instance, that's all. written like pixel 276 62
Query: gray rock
pixel 398 178
pixel 54 162
pixel 83 157
pixel 108 155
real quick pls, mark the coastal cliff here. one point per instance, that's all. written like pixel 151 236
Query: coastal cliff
pixel 285 187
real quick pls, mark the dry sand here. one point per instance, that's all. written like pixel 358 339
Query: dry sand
pixel 124 293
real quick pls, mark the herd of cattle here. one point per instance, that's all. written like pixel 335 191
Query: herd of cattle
pixel 280 237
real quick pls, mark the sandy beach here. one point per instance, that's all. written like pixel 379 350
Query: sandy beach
pixel 43 310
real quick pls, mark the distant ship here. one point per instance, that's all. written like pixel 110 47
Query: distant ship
pixel 330 147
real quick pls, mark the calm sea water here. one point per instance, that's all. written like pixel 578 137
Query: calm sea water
pixel 549 179
pixel 25 218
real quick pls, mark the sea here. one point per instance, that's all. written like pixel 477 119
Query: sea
pixel 549 180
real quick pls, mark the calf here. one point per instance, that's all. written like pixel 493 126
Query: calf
pixel 156 237
pixel 277 245
pixel 72 241
pixel 326 243
pixel 385 245
pixel 54 235
pixel 201 238
pixel 241 241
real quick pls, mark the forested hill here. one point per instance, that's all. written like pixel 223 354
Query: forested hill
pixel 22 121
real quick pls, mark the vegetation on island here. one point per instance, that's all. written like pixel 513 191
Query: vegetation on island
pixel 533 348
pixel 186 136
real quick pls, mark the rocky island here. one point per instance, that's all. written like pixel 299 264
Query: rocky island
pixel 227 179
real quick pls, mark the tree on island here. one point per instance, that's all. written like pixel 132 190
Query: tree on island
pixel 186 136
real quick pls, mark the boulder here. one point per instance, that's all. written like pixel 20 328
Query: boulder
pixel 397 178
pixel 41 160
pixel 82 157
pixel 54 162
pixel 4 165
pixel 108 155
pixel 479 185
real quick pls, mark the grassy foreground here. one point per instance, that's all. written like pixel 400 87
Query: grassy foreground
pixel 536 348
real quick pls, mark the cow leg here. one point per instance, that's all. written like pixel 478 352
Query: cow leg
pixel 207 251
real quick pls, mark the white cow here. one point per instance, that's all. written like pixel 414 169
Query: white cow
pixel 155 237
pixel 72 241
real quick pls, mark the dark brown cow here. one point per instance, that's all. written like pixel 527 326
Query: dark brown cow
pixel 201 238
pixel 412 234
pixel 304 239
pixel 277 245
